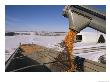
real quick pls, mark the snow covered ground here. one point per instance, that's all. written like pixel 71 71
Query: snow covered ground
pixel 12 42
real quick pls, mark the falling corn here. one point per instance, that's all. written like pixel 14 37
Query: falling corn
pixel 69 41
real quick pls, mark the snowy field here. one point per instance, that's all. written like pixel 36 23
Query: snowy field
pixel 90 51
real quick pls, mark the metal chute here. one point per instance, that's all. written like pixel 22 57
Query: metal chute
pixel 81 17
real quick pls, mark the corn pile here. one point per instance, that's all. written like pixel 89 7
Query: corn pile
pixel 30 48
pixel 69 40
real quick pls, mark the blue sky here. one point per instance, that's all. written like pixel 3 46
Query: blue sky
pixel 37 18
